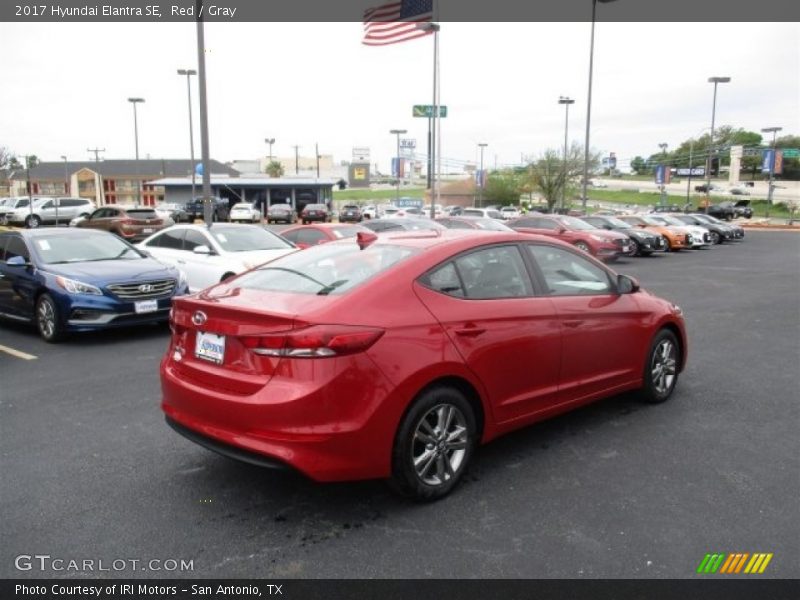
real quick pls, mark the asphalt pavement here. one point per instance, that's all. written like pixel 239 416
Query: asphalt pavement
pixel 617 489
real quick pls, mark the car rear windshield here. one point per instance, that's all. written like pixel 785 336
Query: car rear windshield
pixel 142 213
pixel 345 232
pixel 316 207
pixel 247 239
pixel 59 249
pixel 243 206
pixel 491 225
pixel 327 269
pixel 576 224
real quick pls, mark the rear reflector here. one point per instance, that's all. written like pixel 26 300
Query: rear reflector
pixel 317 341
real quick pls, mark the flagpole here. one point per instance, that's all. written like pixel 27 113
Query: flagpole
pixel 437 116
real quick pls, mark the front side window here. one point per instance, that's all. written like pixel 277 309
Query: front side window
pixel 568 274
pixel 194 239
pixel 16 247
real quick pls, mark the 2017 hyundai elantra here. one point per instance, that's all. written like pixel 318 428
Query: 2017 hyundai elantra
pixel 69 280
pixel 395 356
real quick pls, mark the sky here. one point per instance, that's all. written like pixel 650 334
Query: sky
pixel 66 87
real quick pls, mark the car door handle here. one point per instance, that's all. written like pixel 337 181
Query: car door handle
pixel 573 323
pixel 470 331
pixel 180 261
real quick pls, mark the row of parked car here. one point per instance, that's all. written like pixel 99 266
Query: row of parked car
pixel 71 287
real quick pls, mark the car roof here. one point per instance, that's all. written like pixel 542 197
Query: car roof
pixel 62 231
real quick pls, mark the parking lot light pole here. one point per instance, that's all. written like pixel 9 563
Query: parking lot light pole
pixel 589 106
pixel 398 133
pixel 663 147
pixel 566 101
pixel 709 160
pixel 188 73
pixel 482 145
pixel 66 184
pixel 136 101
pixel 269 141
pixel 774 131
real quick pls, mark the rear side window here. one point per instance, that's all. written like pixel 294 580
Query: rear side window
pixel 169 239
pixel 491 273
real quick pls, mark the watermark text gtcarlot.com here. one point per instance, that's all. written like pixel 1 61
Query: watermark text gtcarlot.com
pixel 48 563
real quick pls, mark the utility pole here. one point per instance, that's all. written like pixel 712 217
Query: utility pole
pixel 316 151
pixel 296 160
pixel 96 152
pixel 774 131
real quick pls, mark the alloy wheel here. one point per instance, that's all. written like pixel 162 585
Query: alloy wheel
pixel 46 317
pixel 663 367
pixel 439 444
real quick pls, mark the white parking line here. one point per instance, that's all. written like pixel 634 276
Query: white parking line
pixel 17 353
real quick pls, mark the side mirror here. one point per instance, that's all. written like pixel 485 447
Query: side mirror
pixel 17 261
pixel 202 249
pixel 561 231
pixel 627 285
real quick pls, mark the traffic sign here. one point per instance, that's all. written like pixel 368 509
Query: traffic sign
pixel 426 111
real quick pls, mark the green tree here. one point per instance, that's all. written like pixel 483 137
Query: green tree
pixel 503 187
pixel 547 173
pixel 638 165
pixel 274 169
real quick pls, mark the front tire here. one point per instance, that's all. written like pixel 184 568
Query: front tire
pixel 48 320
pixel 433 444
pixel 661 368
pixel 32 221
pixel 583 246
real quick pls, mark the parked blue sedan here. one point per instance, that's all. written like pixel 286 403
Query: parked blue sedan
pixel 70 280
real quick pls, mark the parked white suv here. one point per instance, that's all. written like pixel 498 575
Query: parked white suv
pixel 9 205
pixel 49 210
pixel 488 213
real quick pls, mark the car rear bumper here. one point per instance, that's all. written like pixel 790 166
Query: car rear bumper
pixel 308 425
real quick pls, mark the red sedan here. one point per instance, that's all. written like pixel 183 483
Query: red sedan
pixel 304 236
pixel 600 243
pixel 396 356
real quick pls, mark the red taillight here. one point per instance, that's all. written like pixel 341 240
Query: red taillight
pixel 317 341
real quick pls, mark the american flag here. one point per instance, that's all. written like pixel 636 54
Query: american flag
pixel 396 22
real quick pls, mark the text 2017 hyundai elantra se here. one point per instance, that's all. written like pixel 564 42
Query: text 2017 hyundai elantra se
pixel 394 356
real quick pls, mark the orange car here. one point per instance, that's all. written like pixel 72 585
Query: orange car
pixel 676 240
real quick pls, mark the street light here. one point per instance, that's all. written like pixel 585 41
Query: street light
pixel 774 131
pixel 136 101
pixel 188 73
pixel 398 133
pixel 66 184
pixel 589 103
pixel 269 141
pixel 481 145
pixel 663 147
pixel 566 101
pixel 711 150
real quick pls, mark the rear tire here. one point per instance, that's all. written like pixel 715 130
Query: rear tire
pixel 661 369
pixel 433 445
